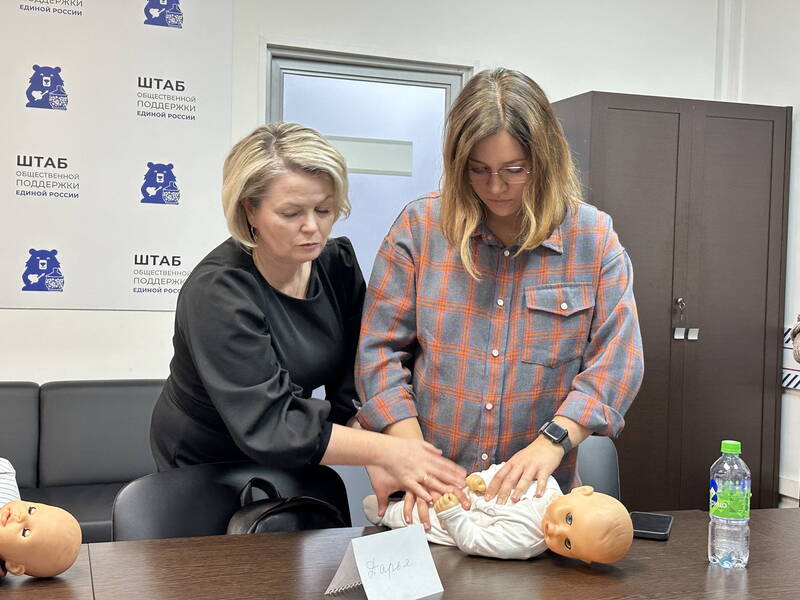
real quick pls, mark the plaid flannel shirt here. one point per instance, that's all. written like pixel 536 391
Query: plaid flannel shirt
pixel 483 364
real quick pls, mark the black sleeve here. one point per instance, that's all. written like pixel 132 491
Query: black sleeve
pixel 230 343
pixel 350 287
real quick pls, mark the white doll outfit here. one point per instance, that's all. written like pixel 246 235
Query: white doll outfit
pixel 8 482
pixel 511 530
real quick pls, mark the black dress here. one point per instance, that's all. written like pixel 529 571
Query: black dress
pixel 247 358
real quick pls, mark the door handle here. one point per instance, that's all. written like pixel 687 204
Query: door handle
pixel 681 304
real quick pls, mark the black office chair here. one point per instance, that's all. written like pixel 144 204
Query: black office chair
pixel 199 500
pixel 598 465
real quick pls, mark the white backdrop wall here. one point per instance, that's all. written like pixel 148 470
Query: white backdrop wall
pixel 108 206
pixel 634 46
pixel 148 92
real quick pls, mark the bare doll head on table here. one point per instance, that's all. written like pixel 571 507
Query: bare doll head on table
pixel 37 539
pixel 588 525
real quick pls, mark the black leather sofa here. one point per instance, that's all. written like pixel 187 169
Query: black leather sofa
pixel 75 444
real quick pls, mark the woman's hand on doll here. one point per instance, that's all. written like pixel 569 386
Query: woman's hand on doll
pixel 420 467
pixel 441 502
pixel 384 485
pixel 536 462
pixel 423 508
pixel 423 511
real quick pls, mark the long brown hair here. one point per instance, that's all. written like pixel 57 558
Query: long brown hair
pixel 491 102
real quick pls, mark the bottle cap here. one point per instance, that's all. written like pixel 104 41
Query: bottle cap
pixel 731 447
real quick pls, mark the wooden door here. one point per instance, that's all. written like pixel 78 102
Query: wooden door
pixel 635 176
pixel 698 194
pixel 729 380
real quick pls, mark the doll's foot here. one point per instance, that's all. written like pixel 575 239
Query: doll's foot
pixel 476 483
pixel 370 506
pixel 445 502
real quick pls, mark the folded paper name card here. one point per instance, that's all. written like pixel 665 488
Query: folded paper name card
pixel 393 565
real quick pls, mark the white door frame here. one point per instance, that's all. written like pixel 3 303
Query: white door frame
pixel 282 60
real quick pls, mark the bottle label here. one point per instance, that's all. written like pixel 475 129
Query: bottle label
pixel 730 501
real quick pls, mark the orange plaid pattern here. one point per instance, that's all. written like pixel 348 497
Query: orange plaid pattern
pixel 485 363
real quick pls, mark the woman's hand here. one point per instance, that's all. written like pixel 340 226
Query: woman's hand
pixel 384 485
pixel 536 462
pixel 423 508
pixel 420 467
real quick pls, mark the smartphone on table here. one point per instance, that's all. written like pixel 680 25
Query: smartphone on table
pixel 651 526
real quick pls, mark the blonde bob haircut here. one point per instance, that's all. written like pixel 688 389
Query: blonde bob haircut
pixel 267 152
pixel 491 102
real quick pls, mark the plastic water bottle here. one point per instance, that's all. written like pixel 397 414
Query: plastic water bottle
pixel 729 508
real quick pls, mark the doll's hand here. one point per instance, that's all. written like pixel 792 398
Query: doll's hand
pixel 476 483
pixel 536 462
pixel 445 502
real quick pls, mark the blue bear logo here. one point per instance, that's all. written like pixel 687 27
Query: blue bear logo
pixel 46 89
pixel 164 13
pixel 159 185
pixel 43 272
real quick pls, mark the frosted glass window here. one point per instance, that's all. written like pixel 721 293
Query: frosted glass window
pixel 369 110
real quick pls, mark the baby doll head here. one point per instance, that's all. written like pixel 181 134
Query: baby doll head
pixel 37 539
pixel 588 525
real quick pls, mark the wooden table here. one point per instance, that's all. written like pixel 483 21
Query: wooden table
pixel 75 584
pixel 301 565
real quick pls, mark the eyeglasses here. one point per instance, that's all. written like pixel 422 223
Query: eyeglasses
pixel 510 175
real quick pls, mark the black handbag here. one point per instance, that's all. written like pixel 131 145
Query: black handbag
pixel 275 513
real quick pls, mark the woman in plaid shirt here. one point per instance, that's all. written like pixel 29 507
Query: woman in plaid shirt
pixel 501 305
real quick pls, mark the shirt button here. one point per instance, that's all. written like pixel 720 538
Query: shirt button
pixel 484 456
pixel 495 352
pixel 506 252
pixel 489 406
pixel 564 306
pixel 500 302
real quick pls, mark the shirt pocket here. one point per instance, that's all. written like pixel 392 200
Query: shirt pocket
pixel 556 322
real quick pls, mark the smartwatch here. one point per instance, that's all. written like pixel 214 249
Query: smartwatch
pixel 557 434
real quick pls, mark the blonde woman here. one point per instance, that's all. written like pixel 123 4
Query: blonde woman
pixel 272 314
pixel 500 323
